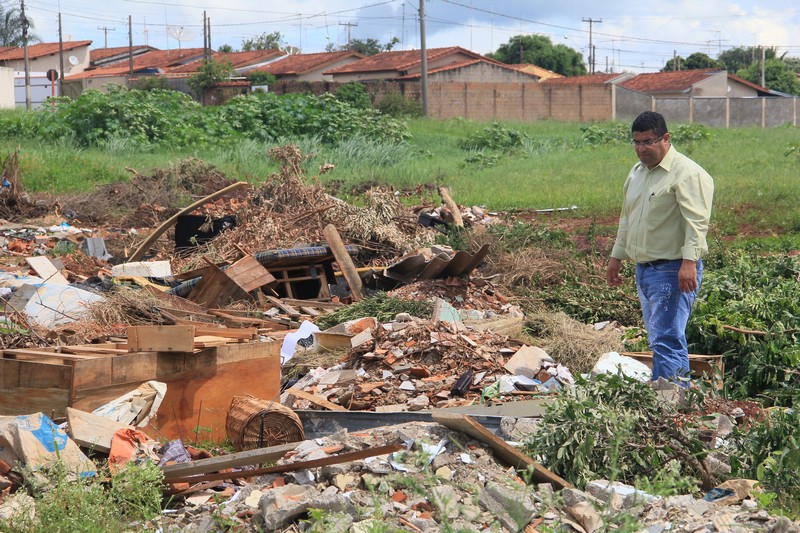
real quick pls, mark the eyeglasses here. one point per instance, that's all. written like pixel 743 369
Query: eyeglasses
pixel 649 142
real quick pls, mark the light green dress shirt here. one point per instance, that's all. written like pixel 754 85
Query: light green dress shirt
pixel 665 211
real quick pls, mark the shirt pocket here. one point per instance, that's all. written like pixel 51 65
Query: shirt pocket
pixel 661 209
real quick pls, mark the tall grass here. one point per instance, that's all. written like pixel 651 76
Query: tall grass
pixel 757 184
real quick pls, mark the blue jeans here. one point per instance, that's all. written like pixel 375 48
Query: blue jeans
pixel 666 311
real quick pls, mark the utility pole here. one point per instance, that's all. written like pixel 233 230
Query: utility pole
pixel 130 47
pixel 208 23
pixel 25 61
pixel 591 22
pixel 763 66
pixel 349 25
pixel 424 59
pixel 105 30
pixel 60 48
pixel 205 38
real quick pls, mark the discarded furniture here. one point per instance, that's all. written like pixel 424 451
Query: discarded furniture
pixel 302 273
pixel 200 384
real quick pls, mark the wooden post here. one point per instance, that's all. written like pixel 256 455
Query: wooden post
pixel 345 262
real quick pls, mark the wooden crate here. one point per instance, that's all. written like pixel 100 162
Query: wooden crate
pixel 200 384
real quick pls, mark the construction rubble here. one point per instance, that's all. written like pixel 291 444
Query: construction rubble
pixel 139 338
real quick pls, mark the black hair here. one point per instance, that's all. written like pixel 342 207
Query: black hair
pixel 650 120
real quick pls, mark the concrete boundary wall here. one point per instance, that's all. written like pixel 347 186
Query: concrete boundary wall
pixel 720 112
pixel 528 102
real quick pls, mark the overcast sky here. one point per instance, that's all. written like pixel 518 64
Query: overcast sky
pixel 635 36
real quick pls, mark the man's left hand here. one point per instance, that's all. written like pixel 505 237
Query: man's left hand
pixel 687 276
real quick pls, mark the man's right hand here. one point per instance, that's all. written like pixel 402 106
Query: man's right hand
pixel 612 272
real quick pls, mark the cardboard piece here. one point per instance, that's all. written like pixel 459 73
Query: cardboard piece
pixel 46 270
pixel 136 407
pixel 92 431
pixel 34 440
pixel 52 305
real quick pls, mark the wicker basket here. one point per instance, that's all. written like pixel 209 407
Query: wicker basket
pixel 256 423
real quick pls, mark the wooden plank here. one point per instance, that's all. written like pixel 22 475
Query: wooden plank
pixel 506 452
pixel 249 274
pixel 27 354
pixel 315 303
pixel 92 431
pixel 216 289
pixel 46 270
pixel 345 262
pixel 293 467
pixel 280 304
pixel 316 400
pixel 161 338
pixel 26 400
pixel 92 373
pixel 133 367
pixel 99 350
pixel 309 311
pixel 208 341
pixel 230 333
pixel 234 460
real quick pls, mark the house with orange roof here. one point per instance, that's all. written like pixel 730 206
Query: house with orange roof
pixel 600 78
pixel 45 56
pixel 240 61
pixel 695 83
pixel 475 70
pixel 151 62
pixel 308 67
pixel 407 64
pixel 100 57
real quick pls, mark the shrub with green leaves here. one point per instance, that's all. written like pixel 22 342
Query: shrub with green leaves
pixel 355 94
pixel 615 428
pixel 749 309
pixel 617 132
pixel 769 451
pixel 494 137
pixel 381 306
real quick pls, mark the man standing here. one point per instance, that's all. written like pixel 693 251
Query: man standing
pixel 665 212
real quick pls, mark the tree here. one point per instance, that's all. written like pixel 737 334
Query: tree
pixel 741 57
pixel 225 49
pixel 697 60
pixel 209 73
pixel 265 41
pixel 539 50
pixel 11 24
pixel 700 60
pixel 367 47
pixel 778 76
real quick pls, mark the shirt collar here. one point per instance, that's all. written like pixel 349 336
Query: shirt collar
pixel 665 163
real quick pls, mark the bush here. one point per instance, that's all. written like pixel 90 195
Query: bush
pixel 495 137
pixel 355 94
pixel 261 78
pixel 615 428
pixel 769 451
pixel 150 83
pixel 398 106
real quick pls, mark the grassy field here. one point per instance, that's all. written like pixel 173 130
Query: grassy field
pixel 757 182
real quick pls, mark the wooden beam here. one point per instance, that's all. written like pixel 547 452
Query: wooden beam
pixel 233 460
pixel 316 400
pixel 344 260
pixel 292 467
pixel 444 192
pixel 506 452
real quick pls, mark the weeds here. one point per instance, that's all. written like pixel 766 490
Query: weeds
pixel 381 306
pixel 64 503
pixel 615 428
